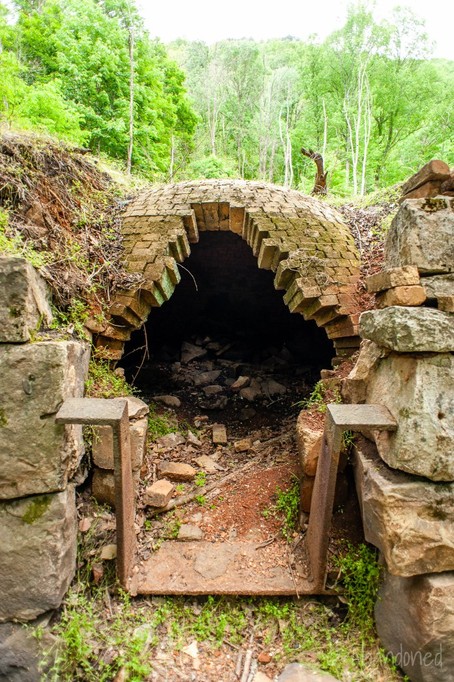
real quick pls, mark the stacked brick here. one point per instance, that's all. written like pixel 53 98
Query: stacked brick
pixel 303 241
pixel 38 459
pixel 405 479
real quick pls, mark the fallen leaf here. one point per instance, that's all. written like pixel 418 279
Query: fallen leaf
pixel 85 524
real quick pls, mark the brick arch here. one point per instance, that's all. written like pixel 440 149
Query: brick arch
pixel 302 240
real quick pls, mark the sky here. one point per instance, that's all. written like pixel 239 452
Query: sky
pixel 213 20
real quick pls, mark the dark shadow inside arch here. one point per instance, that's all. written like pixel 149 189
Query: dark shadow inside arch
pixel 223 296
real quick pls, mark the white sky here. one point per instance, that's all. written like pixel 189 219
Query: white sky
pixel 213 20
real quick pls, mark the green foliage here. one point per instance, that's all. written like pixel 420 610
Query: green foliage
pixel 102 381
pixel 12 244
pixel 320 397
pixel 286 508
pixel 200 479
pixel 360 577
pixel 212 167
pixel 159 424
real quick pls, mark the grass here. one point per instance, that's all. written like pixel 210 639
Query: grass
pixel 286 508
pixel 101 630
pixel 320 398
pixel 103 382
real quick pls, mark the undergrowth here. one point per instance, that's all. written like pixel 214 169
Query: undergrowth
pixel 286 508
pixel 104 382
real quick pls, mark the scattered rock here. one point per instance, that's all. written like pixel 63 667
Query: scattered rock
pixel 207 463
pixel 109 552
pixel 176 471
pixel 171 440
pixel 251 393
pixel 264 657
pixel 190 352
pixel 193 440
pixel 189 533
pixel 415 623
pixel 159 494
pixel 408 518
pixel 191 650
pixel 219 434
pixel 296 672
pixel 168 400
pixel 214 389
pixel 409 330
pixel 272 387
pixel 242 445
pixel 218 403
pixel 241 382
pixel 205 378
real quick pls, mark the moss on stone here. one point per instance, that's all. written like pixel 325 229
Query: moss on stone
pixel 36 509
pixel 3 418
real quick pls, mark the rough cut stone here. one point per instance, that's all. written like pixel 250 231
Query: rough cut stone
pixel 205 378
pixel 193 440
pixel 409 330
pixel 159 494
pixel 408 518
pixel 38 553
pixel 419 393
pixel 21 651
pixel 136 407
pixel 207 463
pixel 415 623
pixel 189 533
pixel 219 435
pixel 422 234
pixel 392 277
pixel 241 382
pixel 168 400
pixel 37 455
pixel 102 448
pixel 242 445
pixel 438 285
pixel 24 300
pixel 176 471
pixel 406 296
pixel 446 304
pixel 354 387
pixel 103 486
pixel 213 389
pixel 297 672
pixel 171 440
pixel 309 440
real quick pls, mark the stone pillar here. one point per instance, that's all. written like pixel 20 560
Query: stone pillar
pixel 38 459
pixel 405 479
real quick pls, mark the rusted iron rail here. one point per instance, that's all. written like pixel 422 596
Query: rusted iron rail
pixel 339 418
pixel 114 413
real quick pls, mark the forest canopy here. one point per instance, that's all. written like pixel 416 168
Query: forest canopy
pixel 369 98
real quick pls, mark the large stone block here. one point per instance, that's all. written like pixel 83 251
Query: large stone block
pixel 37 455
pixel 103 444
pixel 408 518
pixel 422 234
pixel 24 300
pixel 409 330
pixel 38 553
pixel 437 286
pixel 415 622
pixel 419 393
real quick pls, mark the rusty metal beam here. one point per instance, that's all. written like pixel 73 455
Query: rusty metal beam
pixel 338 419
pixel 114 413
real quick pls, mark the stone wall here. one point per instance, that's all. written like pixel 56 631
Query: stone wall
pixel 38 459
pixel 405 479
pixel 302 240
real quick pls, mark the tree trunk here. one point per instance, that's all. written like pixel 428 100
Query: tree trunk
pixel 131 100
pixel 320 186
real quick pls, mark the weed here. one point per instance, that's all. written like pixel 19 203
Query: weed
pixel 159 424
pixel 201 499
pixel 73 319
pixel 180 488
pixel 200 479
pixel 286 507
pixel 360 576
pixel 102 381
pixel 320 397
pixel 12 243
